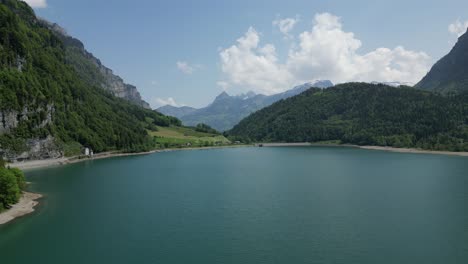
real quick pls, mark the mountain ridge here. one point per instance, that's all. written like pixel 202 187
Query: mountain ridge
pixel 450 73
pixel 227 110
pixel 105 78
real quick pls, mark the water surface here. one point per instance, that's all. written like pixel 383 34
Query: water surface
pixel 248 205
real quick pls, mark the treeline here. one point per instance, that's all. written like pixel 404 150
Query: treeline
pixel 204 128
pixel 51 98
pixel 363 114
pixel 12 183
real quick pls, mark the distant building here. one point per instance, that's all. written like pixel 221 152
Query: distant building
pixel 88 152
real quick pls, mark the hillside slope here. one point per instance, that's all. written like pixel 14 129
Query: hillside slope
pixel 363 114
pixel 450 74
pixel 91 70
pixel 227 110
pixel 47 108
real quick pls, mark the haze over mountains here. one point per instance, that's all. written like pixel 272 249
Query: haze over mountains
pixel 226 110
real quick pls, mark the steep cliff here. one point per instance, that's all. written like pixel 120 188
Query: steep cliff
pixel 91 68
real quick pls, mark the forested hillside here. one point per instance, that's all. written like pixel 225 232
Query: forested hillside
pixel 363 114
pixel 43 98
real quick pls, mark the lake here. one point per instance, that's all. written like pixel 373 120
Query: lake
pixel 248 205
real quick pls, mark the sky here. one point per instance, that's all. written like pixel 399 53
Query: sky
pixel 187 52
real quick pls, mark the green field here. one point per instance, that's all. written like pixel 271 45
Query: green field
pixel 179 137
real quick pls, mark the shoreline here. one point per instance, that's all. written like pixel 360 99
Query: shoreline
pixel 415 151
pixel 24 207
pixel 38 164
pixel 378 148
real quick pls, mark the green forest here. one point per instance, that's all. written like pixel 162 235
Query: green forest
pixel 363 114
pixel 38 81
pixel 12 183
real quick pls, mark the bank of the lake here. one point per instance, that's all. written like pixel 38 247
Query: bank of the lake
pixel 38 164
pixel 380 148
pixel 25 206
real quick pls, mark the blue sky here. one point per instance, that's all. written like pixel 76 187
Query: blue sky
pixel 187 52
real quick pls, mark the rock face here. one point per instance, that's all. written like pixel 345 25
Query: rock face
pixel 9 119
pixel 92 70
pixel 38 149
pixel 449 74
pixel 31 149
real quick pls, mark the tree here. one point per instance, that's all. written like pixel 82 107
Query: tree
pixel 9 190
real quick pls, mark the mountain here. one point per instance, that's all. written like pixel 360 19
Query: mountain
pixel 449 74
pixel 363 114
pixel 49 107
pixel 92 70
pixel 176 111
pixel 226 110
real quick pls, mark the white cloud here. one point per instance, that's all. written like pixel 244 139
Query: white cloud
pixel 158 102
pixel 250 66
pixel 37 3
pixel 224 85
pixel 186 68
pixel 286 25
pixel 324 52
pixel 458 28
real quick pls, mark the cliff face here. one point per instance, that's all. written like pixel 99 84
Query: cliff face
pixel 33 148
pixel 91 69
pixel 449 74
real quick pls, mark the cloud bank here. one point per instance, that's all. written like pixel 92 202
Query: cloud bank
pixel 458 28
pixel 37 3
pixel 327 51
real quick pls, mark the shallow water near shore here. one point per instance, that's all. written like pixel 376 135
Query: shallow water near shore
pixel 248 205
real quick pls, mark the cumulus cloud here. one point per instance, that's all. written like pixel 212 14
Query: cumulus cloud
pixel 324 52
pixel 158 102
pixel 286 25
pixel 186 67
pixel 458 28
pixel 37 3
pixel 246 64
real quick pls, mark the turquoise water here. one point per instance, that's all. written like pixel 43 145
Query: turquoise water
pixel 248 205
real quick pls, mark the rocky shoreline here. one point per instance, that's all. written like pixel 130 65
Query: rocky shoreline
pixel 25 206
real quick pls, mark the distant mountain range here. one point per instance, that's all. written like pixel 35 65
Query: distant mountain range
pixel 374 113
pixel 449 74
pixel 176 111
pixel 226 110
